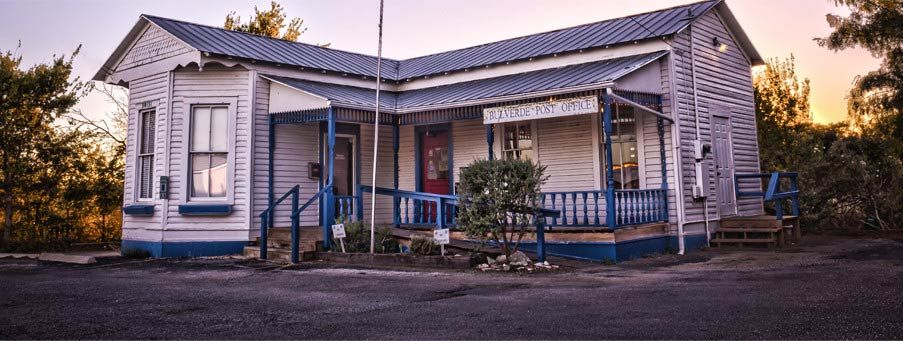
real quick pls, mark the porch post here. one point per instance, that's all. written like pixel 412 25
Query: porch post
pixel 271 149
pixel 396 219
pixel 610 218
pixel 490 140
pixel 661 147
pixel 330 201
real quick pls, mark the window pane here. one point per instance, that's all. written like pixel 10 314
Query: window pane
pixel 524 138
pixel 147 132
pixel 200 129
pixel 526 154
pixel 146 176
pixel 510 137
pixel 219 121
pixel 200 175
pixel 218 175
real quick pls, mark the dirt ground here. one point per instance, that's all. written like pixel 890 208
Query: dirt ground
pixel 826 288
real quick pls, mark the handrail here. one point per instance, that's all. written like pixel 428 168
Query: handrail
pixel 773 192
pixel 267 215
pixel 311 201
pixel 424 212
pixel 294 189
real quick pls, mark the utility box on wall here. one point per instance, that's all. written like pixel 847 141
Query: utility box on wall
pixel 313 170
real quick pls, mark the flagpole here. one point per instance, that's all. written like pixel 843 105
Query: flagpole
pixel 379 60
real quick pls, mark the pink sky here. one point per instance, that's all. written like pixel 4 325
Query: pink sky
pixel 412 27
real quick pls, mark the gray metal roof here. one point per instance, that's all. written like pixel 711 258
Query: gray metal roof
pixel 341 95
pixel 643 26
pixel 560 79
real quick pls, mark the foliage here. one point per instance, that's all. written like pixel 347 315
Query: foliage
pixel 423 246
pixel 268 23
pixel 500 199
pixel 848 178
pixel 357 238
pixel 877 97
pixel 58 183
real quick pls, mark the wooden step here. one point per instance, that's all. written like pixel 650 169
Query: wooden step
pixel 748 229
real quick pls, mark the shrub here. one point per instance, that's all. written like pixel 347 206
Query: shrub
pixel 423 246
pixel 357 238
pixel 499 200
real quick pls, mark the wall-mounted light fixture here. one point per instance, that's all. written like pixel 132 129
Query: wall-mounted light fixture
pixel 719 45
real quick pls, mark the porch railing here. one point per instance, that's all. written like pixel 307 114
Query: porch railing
pixel 269 213
pixel 587 208
pixel 773 191
pixel 346 206
pixel 417 208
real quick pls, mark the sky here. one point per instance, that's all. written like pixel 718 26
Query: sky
pixel 777 28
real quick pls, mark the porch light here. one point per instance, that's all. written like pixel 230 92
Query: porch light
pixel 722 47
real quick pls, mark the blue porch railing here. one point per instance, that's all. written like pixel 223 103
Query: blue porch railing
pixel 267 216
pixel 417 208
pixel 773 191
pixel 587 208
pixel 346 206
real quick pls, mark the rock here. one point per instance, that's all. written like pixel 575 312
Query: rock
pixel 546 263
pixel 502 259
pixel 490 260
pixel 506 267
pixel 520 259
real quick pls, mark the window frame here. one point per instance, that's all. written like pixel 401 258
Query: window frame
pixel 500 127
pixel 139 136
pixel 191 103
pixel 600 133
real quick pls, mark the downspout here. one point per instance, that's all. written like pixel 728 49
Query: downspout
pixel 699 177
pixel 676 154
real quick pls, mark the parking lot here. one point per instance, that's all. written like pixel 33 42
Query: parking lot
pixel 827 288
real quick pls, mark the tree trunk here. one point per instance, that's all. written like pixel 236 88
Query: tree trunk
pixel 7 217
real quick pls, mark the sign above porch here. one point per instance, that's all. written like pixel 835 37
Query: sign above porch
pixel 535 111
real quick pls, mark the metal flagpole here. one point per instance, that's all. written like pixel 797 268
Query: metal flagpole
pixel 379 60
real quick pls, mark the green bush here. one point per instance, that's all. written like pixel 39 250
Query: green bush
pixel 357 238
pixel 423 246
pixel 499 200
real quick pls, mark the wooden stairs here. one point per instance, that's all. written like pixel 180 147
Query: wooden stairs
pixel 757 231
pixel 279 244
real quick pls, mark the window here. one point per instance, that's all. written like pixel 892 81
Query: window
pixel 624 151
pixel 146 154
pixel 518 141
pixel 208 151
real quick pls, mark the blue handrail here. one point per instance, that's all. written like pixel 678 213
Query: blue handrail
pixel 416 208
pixel 587 208
pixel 773 192
pixel 267 215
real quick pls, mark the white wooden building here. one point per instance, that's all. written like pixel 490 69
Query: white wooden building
pixel 222 124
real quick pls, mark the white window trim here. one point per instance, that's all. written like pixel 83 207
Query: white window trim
pixel 138 137
pixel 232 106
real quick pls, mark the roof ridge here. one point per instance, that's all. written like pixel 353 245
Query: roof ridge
pixel 150 16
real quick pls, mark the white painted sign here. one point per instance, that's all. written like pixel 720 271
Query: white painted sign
pixel 338 231
pixel 441 236
pixel 535 111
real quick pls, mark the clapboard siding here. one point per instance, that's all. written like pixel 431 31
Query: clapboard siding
pixel 652 149
pixel 724 87
pixel 208 86
pixel 153 45
pixel 145 93
pixel 469 139
pixel 384 171
pixel 406 180
pixel 565 147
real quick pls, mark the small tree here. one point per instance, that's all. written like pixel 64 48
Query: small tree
pixel 499 200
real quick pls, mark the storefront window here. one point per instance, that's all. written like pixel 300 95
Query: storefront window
pixel 518 142
pixel 624 149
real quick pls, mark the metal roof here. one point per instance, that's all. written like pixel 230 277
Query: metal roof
pixel 341 95
pixel 535 83
pixel 637 27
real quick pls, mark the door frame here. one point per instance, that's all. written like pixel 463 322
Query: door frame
pixel 355 153
pixel 732 165
pixel 419 130
pixel 342 130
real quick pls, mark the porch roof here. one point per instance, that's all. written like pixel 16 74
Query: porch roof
pixel 484 91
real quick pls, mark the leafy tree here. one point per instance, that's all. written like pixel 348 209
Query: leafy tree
pixel 499 200
pixel 782 114
pixel 30 101
pixel 269 23
pixel 876 25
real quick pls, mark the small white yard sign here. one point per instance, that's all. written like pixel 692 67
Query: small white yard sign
pixel 338 231
pixel 441 237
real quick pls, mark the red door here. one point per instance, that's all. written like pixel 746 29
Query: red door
pixel 434 172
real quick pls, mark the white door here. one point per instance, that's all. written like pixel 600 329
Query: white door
pixel 724 165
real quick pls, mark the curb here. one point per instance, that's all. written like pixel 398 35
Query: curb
pixel 64 258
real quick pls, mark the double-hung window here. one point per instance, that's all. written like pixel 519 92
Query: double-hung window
pixel 624 149
pixel 518 141
pixel 209 151
pixel 146 136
